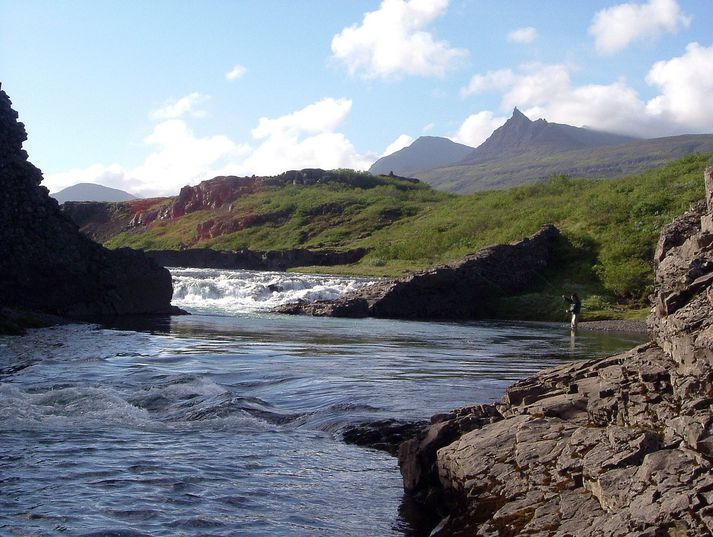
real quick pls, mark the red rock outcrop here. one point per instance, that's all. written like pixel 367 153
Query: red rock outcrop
pixel 616 447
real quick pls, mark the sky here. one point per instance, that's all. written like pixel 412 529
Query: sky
pixel 149 96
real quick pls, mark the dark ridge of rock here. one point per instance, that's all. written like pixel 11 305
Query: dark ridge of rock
pixel 385 435
pixel 618 446
pixel 460 290
pixel 46 265
pixel 278 260
pixel 99 220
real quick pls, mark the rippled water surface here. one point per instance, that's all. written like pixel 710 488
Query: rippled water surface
pixel 228 422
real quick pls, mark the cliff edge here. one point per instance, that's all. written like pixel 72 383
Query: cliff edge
pixel 613 447
pixel 46 265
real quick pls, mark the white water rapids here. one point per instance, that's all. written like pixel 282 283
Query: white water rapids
pixel 232 291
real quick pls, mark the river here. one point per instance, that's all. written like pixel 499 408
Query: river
pixel 228 421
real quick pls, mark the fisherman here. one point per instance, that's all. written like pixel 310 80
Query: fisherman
pixel 575 306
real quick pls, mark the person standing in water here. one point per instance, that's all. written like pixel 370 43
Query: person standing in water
pixel 575 307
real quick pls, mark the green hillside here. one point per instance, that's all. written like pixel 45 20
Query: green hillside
pixel 611 227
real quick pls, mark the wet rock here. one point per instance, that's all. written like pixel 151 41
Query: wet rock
pixel 385 435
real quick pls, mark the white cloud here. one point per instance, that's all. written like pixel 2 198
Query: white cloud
pixel 302 139
pixel 305 138
pixel 492 80
pixel 180 157
pixel 238 71
pixel 428 127
pixel 176 108
pixel 391 41
pixel 616 27
pixel 686 83
pixel 324 115
pixel 547 91
pixel 523 35
pixel 402 141
pixel 478 127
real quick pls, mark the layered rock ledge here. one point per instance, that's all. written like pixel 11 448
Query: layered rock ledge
pixel 461 290
pixel 46 265
pixel 616 447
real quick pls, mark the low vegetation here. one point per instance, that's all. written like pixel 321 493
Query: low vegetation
pixel 610 229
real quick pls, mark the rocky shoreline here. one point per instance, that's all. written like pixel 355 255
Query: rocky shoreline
pixel 613 325
pixel 613 447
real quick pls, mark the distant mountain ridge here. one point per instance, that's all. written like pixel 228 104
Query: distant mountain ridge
pixel 91 192
pixel 521 135
pixel 523 151
pixel 602 162
pixel 425 153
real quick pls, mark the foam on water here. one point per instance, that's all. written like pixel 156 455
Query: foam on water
pixel 247 291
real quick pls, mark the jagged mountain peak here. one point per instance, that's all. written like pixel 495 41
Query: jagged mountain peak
pixel 518 116
pixel 519 135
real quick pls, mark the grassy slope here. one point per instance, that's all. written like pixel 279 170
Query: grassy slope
pixel 611 228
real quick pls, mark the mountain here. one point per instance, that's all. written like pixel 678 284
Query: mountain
pixel 533 166
pixel 426 153
pixel 91 192
pixel 521 135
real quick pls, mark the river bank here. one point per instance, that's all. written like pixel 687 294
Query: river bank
pixel 616 446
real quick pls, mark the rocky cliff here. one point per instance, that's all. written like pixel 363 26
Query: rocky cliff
pixel 461 290
pixel 46 265
pixel 613 447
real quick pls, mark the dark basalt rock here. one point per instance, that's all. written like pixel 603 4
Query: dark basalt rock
pixel 385 435
pixel 277 260
pixel 618 446
pixel 46 265
pixel 459 290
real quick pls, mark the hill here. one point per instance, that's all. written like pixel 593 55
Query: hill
pixel 425 153
pixel 610 228
pixel 91 192
pixel 603 162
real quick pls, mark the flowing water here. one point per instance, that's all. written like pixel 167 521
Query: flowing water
pixel 228 421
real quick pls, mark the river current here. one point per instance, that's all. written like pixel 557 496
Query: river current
pixel 228 421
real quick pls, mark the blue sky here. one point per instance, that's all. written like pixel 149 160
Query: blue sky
pixel 148 96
